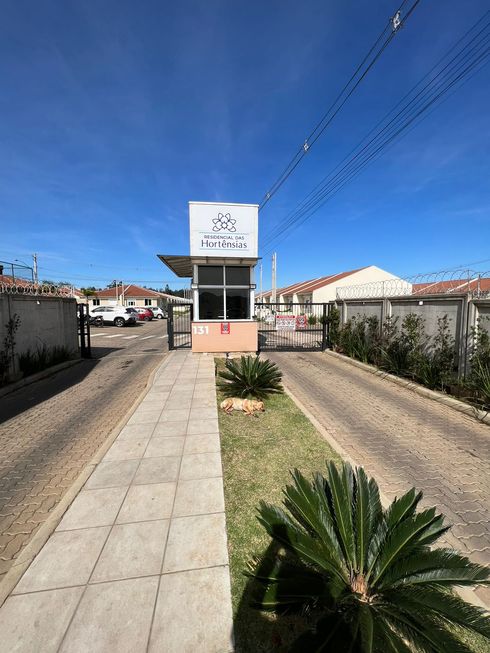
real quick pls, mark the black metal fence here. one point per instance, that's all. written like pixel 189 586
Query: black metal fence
pixel 180 326
pixel 83 319
pixel 293 326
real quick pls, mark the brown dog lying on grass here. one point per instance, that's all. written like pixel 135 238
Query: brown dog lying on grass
pixel 249 406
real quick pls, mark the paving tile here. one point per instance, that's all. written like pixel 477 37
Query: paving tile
pixel 170 429
pixel 199 497
pixel 164 447
pixel 132 550
pixel 204 625
pixel 200 465
pixel 136 432
pixel 204 402
pixel 207 443
pixel 67 559
pixel 210 412
pixel 146 502
pixel 198 426
pixel 114 473
pixel 157 470
pixel 113 617
pixel 93 508
pixel 27 624
pixel 127 449
pixel 147 417
pixel 195 542
pixel 174 415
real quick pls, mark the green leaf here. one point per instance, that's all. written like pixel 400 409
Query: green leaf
pixel 341 489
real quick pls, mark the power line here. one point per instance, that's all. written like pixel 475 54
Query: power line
pixel 458 68
pixel 374 53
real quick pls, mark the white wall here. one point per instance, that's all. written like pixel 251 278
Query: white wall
pixel 368 275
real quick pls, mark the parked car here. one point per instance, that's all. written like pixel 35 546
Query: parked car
pixel 117 315
pixel 159 313
pixel 145 313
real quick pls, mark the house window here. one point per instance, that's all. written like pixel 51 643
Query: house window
pixel 96 302
pixel 224 292
pixel 148 302
pixel 131 302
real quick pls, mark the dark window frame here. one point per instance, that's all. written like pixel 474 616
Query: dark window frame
pixel 224 287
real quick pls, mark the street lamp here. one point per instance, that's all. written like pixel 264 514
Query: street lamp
pixel 17 260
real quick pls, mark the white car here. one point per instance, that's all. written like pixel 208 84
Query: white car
pixel 158 312
pixel 117 315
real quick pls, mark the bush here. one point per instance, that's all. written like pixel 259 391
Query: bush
pixel 369 578
pixel 333 322
pixel 250 377
pixel 31 362
pixel 312 320
pixel 360 338
pixel 478 380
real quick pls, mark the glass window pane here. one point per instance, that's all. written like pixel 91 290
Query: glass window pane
pixel 211 304
pixel 237 275
pixel 210 275
pixel 237 304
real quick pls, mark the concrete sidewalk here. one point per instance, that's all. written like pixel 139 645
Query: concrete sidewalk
pixel 139 561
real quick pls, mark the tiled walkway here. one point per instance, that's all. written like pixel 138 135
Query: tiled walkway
pixel 139 561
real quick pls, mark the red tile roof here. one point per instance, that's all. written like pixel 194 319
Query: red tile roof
pixel 129 291
pixel 451 286
pixel 311 284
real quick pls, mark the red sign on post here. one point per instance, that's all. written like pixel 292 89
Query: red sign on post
pixel 225 328
pixel 301 321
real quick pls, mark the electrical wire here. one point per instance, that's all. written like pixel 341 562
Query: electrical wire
pixel 360 73
pixel 459 67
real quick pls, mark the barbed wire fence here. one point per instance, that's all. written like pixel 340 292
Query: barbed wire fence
pixel 36 289
pixel 475 283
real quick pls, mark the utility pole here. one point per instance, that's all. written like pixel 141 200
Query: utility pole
pixel 274 272
pixel 34 267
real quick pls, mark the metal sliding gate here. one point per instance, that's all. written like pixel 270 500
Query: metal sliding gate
pixel 293 326
pixel 179 325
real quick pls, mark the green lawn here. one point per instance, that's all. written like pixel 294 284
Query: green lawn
pixel 258 453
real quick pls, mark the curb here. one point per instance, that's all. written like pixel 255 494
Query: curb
pixel 28 554
pixel 39 376
pixel 466 593
pixel 460 406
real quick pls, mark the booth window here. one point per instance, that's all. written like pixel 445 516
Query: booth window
pixel 224 292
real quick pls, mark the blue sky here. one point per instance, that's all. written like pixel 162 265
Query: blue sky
pixel 113 115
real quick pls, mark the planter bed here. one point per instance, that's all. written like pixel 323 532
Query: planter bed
pixel 257 454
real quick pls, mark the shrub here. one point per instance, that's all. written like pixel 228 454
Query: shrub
pixel 311 320
pixel 478 380
pixel 250 377
pixel 7 353
pixel 333 322
pixel 359 338
pixel 369 578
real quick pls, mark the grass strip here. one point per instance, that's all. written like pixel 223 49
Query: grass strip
pixel 257 454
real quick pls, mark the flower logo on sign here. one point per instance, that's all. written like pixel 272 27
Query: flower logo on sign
pixel 224 222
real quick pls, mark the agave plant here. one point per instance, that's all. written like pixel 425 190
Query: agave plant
pixel 368 577
pixel 250 376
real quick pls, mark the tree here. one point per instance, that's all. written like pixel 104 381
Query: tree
pixel 88 292
pixel 114 283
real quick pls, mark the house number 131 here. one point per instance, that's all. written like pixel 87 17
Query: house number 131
pixel 199 330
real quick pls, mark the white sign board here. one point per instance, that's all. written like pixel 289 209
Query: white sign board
pixel 223 230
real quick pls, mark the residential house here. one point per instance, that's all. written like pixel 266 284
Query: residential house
pixel 324 289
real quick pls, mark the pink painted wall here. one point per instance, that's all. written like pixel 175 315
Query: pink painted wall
pixel 243 336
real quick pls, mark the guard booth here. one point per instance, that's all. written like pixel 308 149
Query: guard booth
pixel 221 265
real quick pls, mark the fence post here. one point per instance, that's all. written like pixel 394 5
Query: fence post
pixel 324 327
pixel 170 326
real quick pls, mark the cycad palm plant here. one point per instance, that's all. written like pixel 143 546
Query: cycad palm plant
pixel 368 576
pixel 250 377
